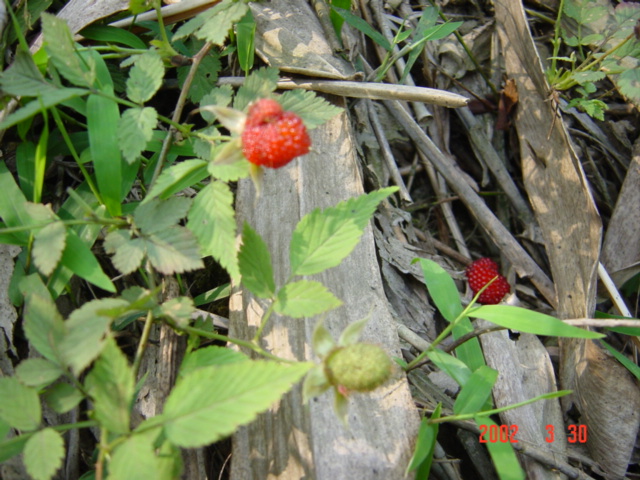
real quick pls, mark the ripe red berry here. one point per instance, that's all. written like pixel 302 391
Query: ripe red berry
pixel 273 137
pixel 479 273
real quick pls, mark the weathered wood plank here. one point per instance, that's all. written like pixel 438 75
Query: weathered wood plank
pixel 293 440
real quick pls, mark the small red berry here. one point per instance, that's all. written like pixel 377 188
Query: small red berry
pixel 273 137
pixel 481 272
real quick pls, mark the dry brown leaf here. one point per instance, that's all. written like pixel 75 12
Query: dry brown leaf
pixel 571 227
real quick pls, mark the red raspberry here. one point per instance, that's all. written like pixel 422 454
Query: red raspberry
pixel 479 273
pixel 273 137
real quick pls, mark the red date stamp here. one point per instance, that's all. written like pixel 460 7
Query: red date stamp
pixel 507 434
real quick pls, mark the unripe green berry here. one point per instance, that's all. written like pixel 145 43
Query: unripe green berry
pixel 361 367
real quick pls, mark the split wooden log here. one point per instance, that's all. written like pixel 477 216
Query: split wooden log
pixel 293 440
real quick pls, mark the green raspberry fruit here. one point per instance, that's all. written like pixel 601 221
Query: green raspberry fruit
pixel 361 367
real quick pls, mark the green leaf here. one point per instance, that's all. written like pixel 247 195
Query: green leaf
pixel 245 33
pixel 211 402
pixel 48 246
pixel 13 204
pixel 629 84
pixel 229 172
pixel 628 364
pixel 61 49
pixel 425 446
pixel 442 289
pixel 208 357
pixel 260 83
pixel 313 110
pixel 219 21
pixel 46 100
pixel 178 177
pixel 452 366
pixel 145 77
pixel 470 351
pixel 205 78
pixel 63 397
pixel 173 250
pixel 157 215
pixel 322 239
pixel 127 252
pixel 178 309
pixel 212 220
pixel 254 261
pixel 24 79
pixel 112 386
pixel 43 325
pixel 78 258
pixel 476 391
pixel 103 116
pixel 20 405
pixel 304 298
pixel 107 34
pixel 359 24
pixel 86 329
pixel 135 130
pixel 37 372
pixel 528 321
pixel 504 458
pixel 43 454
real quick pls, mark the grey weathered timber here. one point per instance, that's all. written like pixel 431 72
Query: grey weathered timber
pixel 292 440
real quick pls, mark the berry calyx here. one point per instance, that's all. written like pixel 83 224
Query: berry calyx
pixel 273 137
pixel 360 367
pixel 481 272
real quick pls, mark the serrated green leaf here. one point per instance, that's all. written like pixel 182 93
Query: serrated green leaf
pixel 451 365
pixel 46 100
pixel 476 391
pixel 85 331
pixel 219 21
pixel 220 96
pixel 322 239
pixel 442 289
pixel 24 79
pixel 43 325
pixel 103 116
pixel 425 445
pixel 502 454
pixel 111 385
pixel 145 77
pixel 43 454
pixel 138 458
pixel 208 357
pixel 135 130
pixel 12 446
pixel 304 298
pixel 212 220
pixel 259 84
pixel 127 252
pixel 48 246
pixel 211 402
pixel 37 372
pixel 63 397
pixel 528 321
pixel 254 261
pixel 62 52
pixel 178 309
pixel 78 258
pixel 20 405
pixel 157 215
pixel 313 110
pixel 229 172
pixel 205 78
pixel 173 250
pixel 629 84
pixel 178 177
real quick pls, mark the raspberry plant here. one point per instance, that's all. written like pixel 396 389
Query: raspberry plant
pixel 98 107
